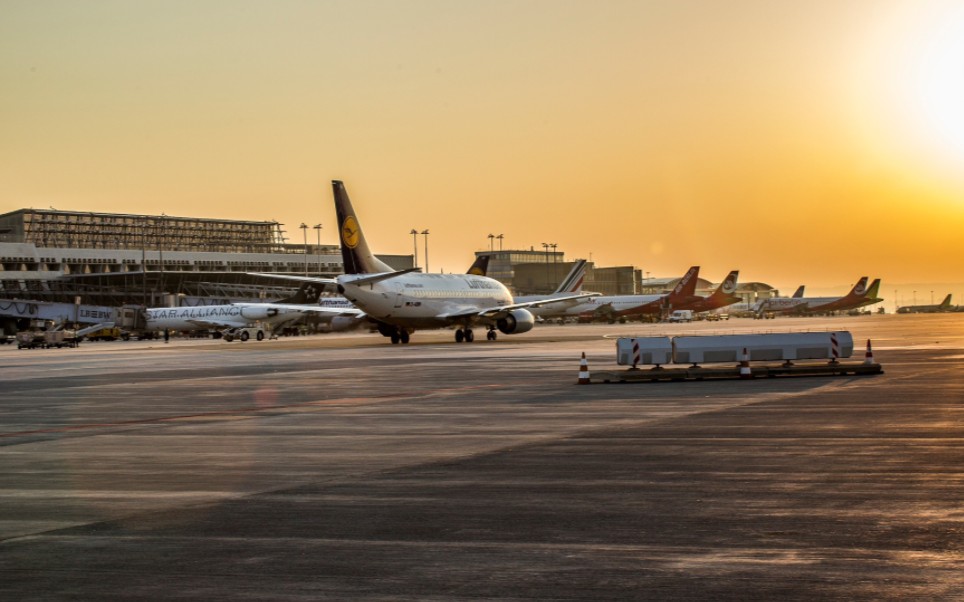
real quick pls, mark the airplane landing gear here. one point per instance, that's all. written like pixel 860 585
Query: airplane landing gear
pixel 491 335
pixel 400 335
pixel 464 335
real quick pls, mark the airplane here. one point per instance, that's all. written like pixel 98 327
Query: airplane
pixel 242 314
pixel 611 307
pixel 859 296
pixel 571 284
pixel 942 307
pixel 721 297
pixel 339 323
pixel 400 302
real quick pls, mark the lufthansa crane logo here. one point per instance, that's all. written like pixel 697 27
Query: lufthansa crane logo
pixel 349 232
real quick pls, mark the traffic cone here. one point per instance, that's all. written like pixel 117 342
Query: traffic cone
pixel 583 371
pixel 745 365
pixel 869 358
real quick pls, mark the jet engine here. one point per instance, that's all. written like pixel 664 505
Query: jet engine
pixel 518 321
pixel 258 313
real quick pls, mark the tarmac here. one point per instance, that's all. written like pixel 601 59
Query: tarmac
pixel 343 467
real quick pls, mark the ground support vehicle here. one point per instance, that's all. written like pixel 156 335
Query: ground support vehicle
pixel 244 333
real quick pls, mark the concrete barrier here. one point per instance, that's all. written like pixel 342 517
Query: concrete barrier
pixel 647 351
pixel 763 347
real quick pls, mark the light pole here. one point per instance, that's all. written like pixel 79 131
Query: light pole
pixel 317 228
pixel 425 233
pixel 491 242
pixel 545 246
pixel 304 230
pixel 414 234
pixel 500 241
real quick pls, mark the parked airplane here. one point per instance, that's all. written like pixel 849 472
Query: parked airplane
pixel 721 297
pixel 232 315
pixel 611 307
pixel 859 296
pixel 942 307
pixel 400 302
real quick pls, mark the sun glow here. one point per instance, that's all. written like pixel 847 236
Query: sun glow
pixel 939 91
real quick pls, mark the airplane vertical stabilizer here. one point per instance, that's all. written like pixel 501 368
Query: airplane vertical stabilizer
pixel 686 287
pixel 573 281
pixel 355 254
pixel 307 294
pixel 480 266
pixel 859 289
pixel 799 293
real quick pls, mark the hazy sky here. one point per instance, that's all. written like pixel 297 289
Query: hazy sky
pixel 800 142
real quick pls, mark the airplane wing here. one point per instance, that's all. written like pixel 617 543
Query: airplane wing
pixel 324 311
pixel 494 312
pixel 317 279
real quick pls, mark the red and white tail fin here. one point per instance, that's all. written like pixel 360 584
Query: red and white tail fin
pixel 686 287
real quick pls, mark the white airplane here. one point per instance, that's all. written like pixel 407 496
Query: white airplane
pixel 242 314
pixel 339 323
pixel 611 307
pixel 400 302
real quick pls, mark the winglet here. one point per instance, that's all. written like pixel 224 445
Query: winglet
pixel 355 254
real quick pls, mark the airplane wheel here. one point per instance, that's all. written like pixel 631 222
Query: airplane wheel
pixel 469 336
pixel 395 338
pixel 260 336
pixel 490 335
pixel 403 336
pixel 244 335
pixel 459 336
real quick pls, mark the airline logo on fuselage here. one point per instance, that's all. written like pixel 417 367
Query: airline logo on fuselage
pixel 349 232
pixel 194 313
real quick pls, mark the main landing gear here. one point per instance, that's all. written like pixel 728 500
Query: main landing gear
pixel 466 335
pixel 400 336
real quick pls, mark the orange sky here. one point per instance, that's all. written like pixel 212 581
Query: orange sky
pixel 800 142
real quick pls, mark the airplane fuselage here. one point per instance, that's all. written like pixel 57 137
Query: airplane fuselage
pixel 426 300
pixel 217 316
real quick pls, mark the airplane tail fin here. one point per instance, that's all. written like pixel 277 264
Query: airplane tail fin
pixel 872 289
pixel 947 301
pixel 573 282
pixel 355 254
pixel 799 292
pixel 307 294
pixel 728 286
pixel 480 266
pixel 686 287
pixel 859 289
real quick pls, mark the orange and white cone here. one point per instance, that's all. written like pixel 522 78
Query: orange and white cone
pixel 869 358
pixel 745 365
pixel 583 371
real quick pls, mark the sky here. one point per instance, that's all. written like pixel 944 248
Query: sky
pixel 799 142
